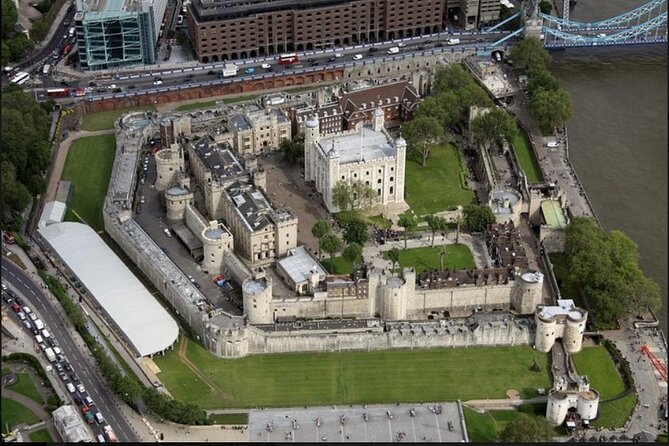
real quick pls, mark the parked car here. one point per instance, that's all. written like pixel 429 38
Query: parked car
pixel 250 70
pixel 357 57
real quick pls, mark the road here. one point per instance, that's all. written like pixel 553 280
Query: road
pixel 83 364
pixel 154 79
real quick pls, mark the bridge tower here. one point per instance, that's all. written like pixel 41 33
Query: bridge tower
pixel 531 18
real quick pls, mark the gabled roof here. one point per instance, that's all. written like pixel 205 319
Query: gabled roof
pixel 368 98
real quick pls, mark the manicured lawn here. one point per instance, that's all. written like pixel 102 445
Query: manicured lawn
pixel 25 386
pixel 568 289
pixel 426 259
pixel 596 363
pixel 230 418
pixel 380 221
pixel 105 120
pixel 528 162
pixel 88 166
pixel 337 265
pixel 613 414
pixel 40 436
pixel 480 426
pixel 436 187
pixel 352 377
pixel 14 413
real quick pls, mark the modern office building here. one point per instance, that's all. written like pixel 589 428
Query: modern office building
pixel 236 29
pixel 472 14
pixel 117 33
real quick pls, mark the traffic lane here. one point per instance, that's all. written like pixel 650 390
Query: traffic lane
pixel 94 385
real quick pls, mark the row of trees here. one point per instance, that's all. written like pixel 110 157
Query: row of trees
pixel 493 128
pixel 26 153
pixel 605 266
pixel 14 45
pixel 355 235
pixel 453 93
pixel 550 105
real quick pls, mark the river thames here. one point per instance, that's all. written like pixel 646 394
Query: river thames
pixel 618 135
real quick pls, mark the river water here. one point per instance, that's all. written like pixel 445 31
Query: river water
pixel 618 135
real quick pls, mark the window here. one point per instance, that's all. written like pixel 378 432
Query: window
pixel 391 179
pixel 379 192
pixel 391 189
pixel 378 181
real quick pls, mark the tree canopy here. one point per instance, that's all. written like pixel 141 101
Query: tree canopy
pixel 605 267
pixel 26 154
pixel 408 222
pixel 435 224
pixel 352 196
pixel 9 17
pixel 331 244
pixel 493 127
pixel 528 429
pixel 529 52
pixel 355 231
pixel 422 133
pixel 477 217
pixel 352 253
pixel 550 108
pixel 293 151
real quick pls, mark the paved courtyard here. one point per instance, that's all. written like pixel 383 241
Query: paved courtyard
pixel 440 422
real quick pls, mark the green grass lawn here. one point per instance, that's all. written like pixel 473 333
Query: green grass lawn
pixel 568 289
pixel 425 259
pixel 88 166
pixel 613 414
pixel 25 386
pixel 380 221
pixel 436 187
pixel 14 413
pixel 230 418
pixel 662 438
pixel 40 436
pixel 337 265
pixel 105 120
pixel 480 426
pixel 525 155
pixel 598 365
pixel 353 377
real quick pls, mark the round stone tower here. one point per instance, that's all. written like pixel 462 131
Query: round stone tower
pixel 214 248
pixel 557 406
pixel 176 199
pixel 393 296
pixel 257 295
pixel 169 164
pixel 573 331
pixel 311 136
pixel 545 335
pixel 528 292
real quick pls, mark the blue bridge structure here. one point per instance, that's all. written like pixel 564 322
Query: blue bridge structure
pixel 646 24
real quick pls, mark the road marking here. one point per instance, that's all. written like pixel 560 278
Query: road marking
pixel 438 428
pixel 390 432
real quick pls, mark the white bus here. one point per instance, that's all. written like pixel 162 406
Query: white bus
pixel 20 78
pixel 46 70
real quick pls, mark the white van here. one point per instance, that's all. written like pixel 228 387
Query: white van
pixel 39 339
pixel 71 31
pixel 101 438
pixel 393 50
pixel 21 315
pixel 70 387
pixel 46 69
pixel 57 351
pixel 45 334
pixel 39 324
pixel 453 41
pixel 552 145
pixel 99 418
pixel 27 310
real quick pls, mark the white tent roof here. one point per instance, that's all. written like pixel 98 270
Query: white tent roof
pixel 144 321
pixel 54 212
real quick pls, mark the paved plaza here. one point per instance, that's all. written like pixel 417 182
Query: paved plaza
pixel 442 422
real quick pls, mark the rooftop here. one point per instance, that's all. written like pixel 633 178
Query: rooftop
pixel 299 264
pixel 564 308
pixel 553 214
pixel 109 8
pixel 360 146
pixel 218 158
pixel 145 323
pixel 251 204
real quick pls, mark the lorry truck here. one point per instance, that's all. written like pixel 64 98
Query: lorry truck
pixel 51 356
pixel 88 414
pixel 228 70
pixel 109 433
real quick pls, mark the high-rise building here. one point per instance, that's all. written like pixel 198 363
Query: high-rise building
pixel 236 29
pixel 472 14
pixel 117 33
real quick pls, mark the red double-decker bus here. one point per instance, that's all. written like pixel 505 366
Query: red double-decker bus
pixel 287 59
pixel 57 92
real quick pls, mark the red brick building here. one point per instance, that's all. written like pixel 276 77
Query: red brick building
pixel 236 29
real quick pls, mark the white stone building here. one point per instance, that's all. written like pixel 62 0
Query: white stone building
pixel 367 154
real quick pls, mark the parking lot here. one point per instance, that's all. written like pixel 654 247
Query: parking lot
pixel 411 423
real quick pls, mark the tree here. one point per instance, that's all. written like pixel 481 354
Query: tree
pixel 394 256
pixel 452 77
pixel 477 217
pixel 355 231
pixel 550 108
pixel 422 133
pixel 539 78
pixel 293 150
pixel 353 253
pixel 435 224
pixel 331 244
pixel 472 94
pixel 408 222
pixel 451 109
pixel 528 429
pixel 352 196
pixel 9 17
pixel 493 127
pixel 319 230
pixel 545 7
pixel 529 52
